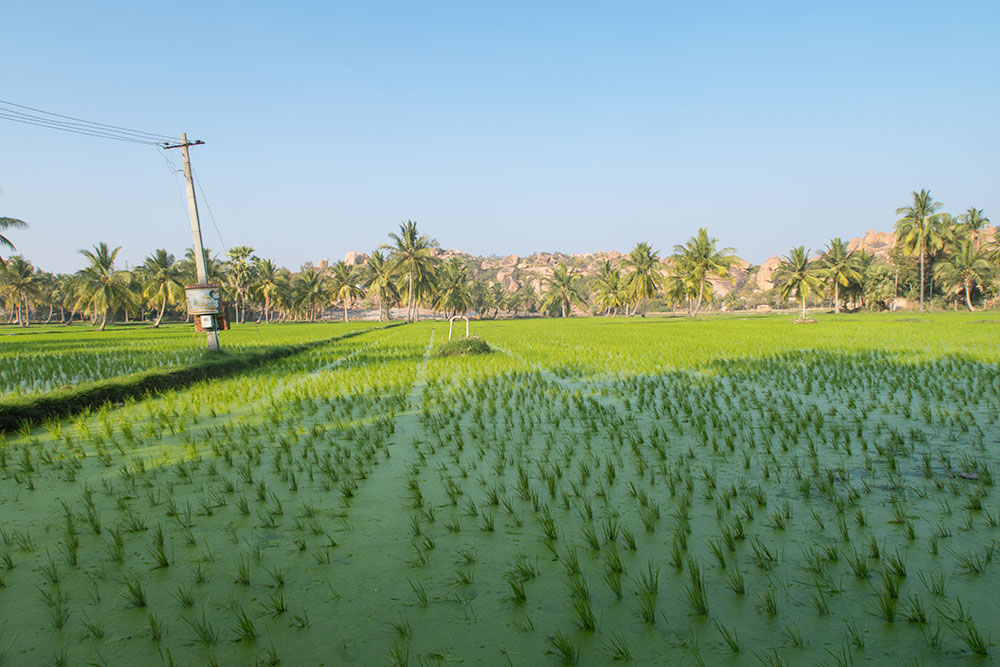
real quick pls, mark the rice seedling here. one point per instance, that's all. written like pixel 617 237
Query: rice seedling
pixel 563 649
pixel 205 632
pixel 616 648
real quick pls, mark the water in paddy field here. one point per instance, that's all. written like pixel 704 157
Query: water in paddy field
pixel 665 491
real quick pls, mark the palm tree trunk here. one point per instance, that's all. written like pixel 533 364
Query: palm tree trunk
pixel 345 310
pixel 104 321
pixel 409 299
pixel 968 298
pixel 159 316
pixel 921 278
pixel 803 307
pixel 49 318
pixel 701 295
pixel 836 296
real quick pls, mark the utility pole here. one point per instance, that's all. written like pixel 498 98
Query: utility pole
pixel 199 250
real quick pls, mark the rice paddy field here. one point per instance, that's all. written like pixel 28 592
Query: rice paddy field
pixel 720 491
pixel 39 359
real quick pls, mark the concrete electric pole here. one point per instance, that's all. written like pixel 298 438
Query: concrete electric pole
pixel 199 250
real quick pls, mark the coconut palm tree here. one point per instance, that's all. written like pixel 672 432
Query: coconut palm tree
pixel 19 283
pixel 49 292
pixel 965 266
pixel 453 294
pixel 920 231
pixel 239 271
pixel 527 297
pixel 699 259
pixel 378 274
pixel 610 294
pixel 310 291
pixel 101 287
pixel 681 288
pixel 266 286
pixel 161 277
pixel 644 279
pixel 841 267
pixel 971 224
pixel 344 285
pixel 412 258
pixel 798 275
pixel 9 223
pixel 565 289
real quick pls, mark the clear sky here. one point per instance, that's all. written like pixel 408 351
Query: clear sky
pixel 500 127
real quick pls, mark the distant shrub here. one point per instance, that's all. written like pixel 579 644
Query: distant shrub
pixel 461 347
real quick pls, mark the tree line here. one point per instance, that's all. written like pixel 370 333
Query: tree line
pixel 937 256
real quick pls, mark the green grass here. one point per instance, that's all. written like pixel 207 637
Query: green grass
pixel 661 491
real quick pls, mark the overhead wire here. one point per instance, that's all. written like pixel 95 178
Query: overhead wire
pixel 18 113
pixel 50 119
pixel 211 215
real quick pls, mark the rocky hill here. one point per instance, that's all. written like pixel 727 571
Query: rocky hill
pixel 513 271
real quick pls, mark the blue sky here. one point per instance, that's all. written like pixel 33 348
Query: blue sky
pixel 499 127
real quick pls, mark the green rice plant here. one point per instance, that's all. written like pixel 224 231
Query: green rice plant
pixel 300 621
pixel 973 563
pixel 794 636
pixel 873 549
pixel 962 624
pixel 628 538
pixel 616 648
pixel 134 593
pixel 933 581
pixel 274 604
pixel 157 628
pixel 676 556
pixel 730 637
pixel 614 582
pixel 855 635
pixel 516 585
pixel 578 587
pixel 245 629
pixel 819 601
pixel 464 576
pixel 590 538
pixel 762 555
pixel 611 528
pixel 716 548
pixel 563 649
pixel 277 576
pixel 399 653
pixel 243 566
pixel 184 596
pixel 71 548
pixel 419 591
pixel 767 602
pixel 896 564
pixel 583 615
pixel 885 604
pixel 859 564
pixel 696 593
pixel 734 580
pixel 647 607
pixel 205 633
pixel 49 571
pixel 914 611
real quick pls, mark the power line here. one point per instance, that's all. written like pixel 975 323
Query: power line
pixel 41 123
pixel 209 207
pixel 50 119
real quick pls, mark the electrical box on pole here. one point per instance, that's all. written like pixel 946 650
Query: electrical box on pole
pixel 199 296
